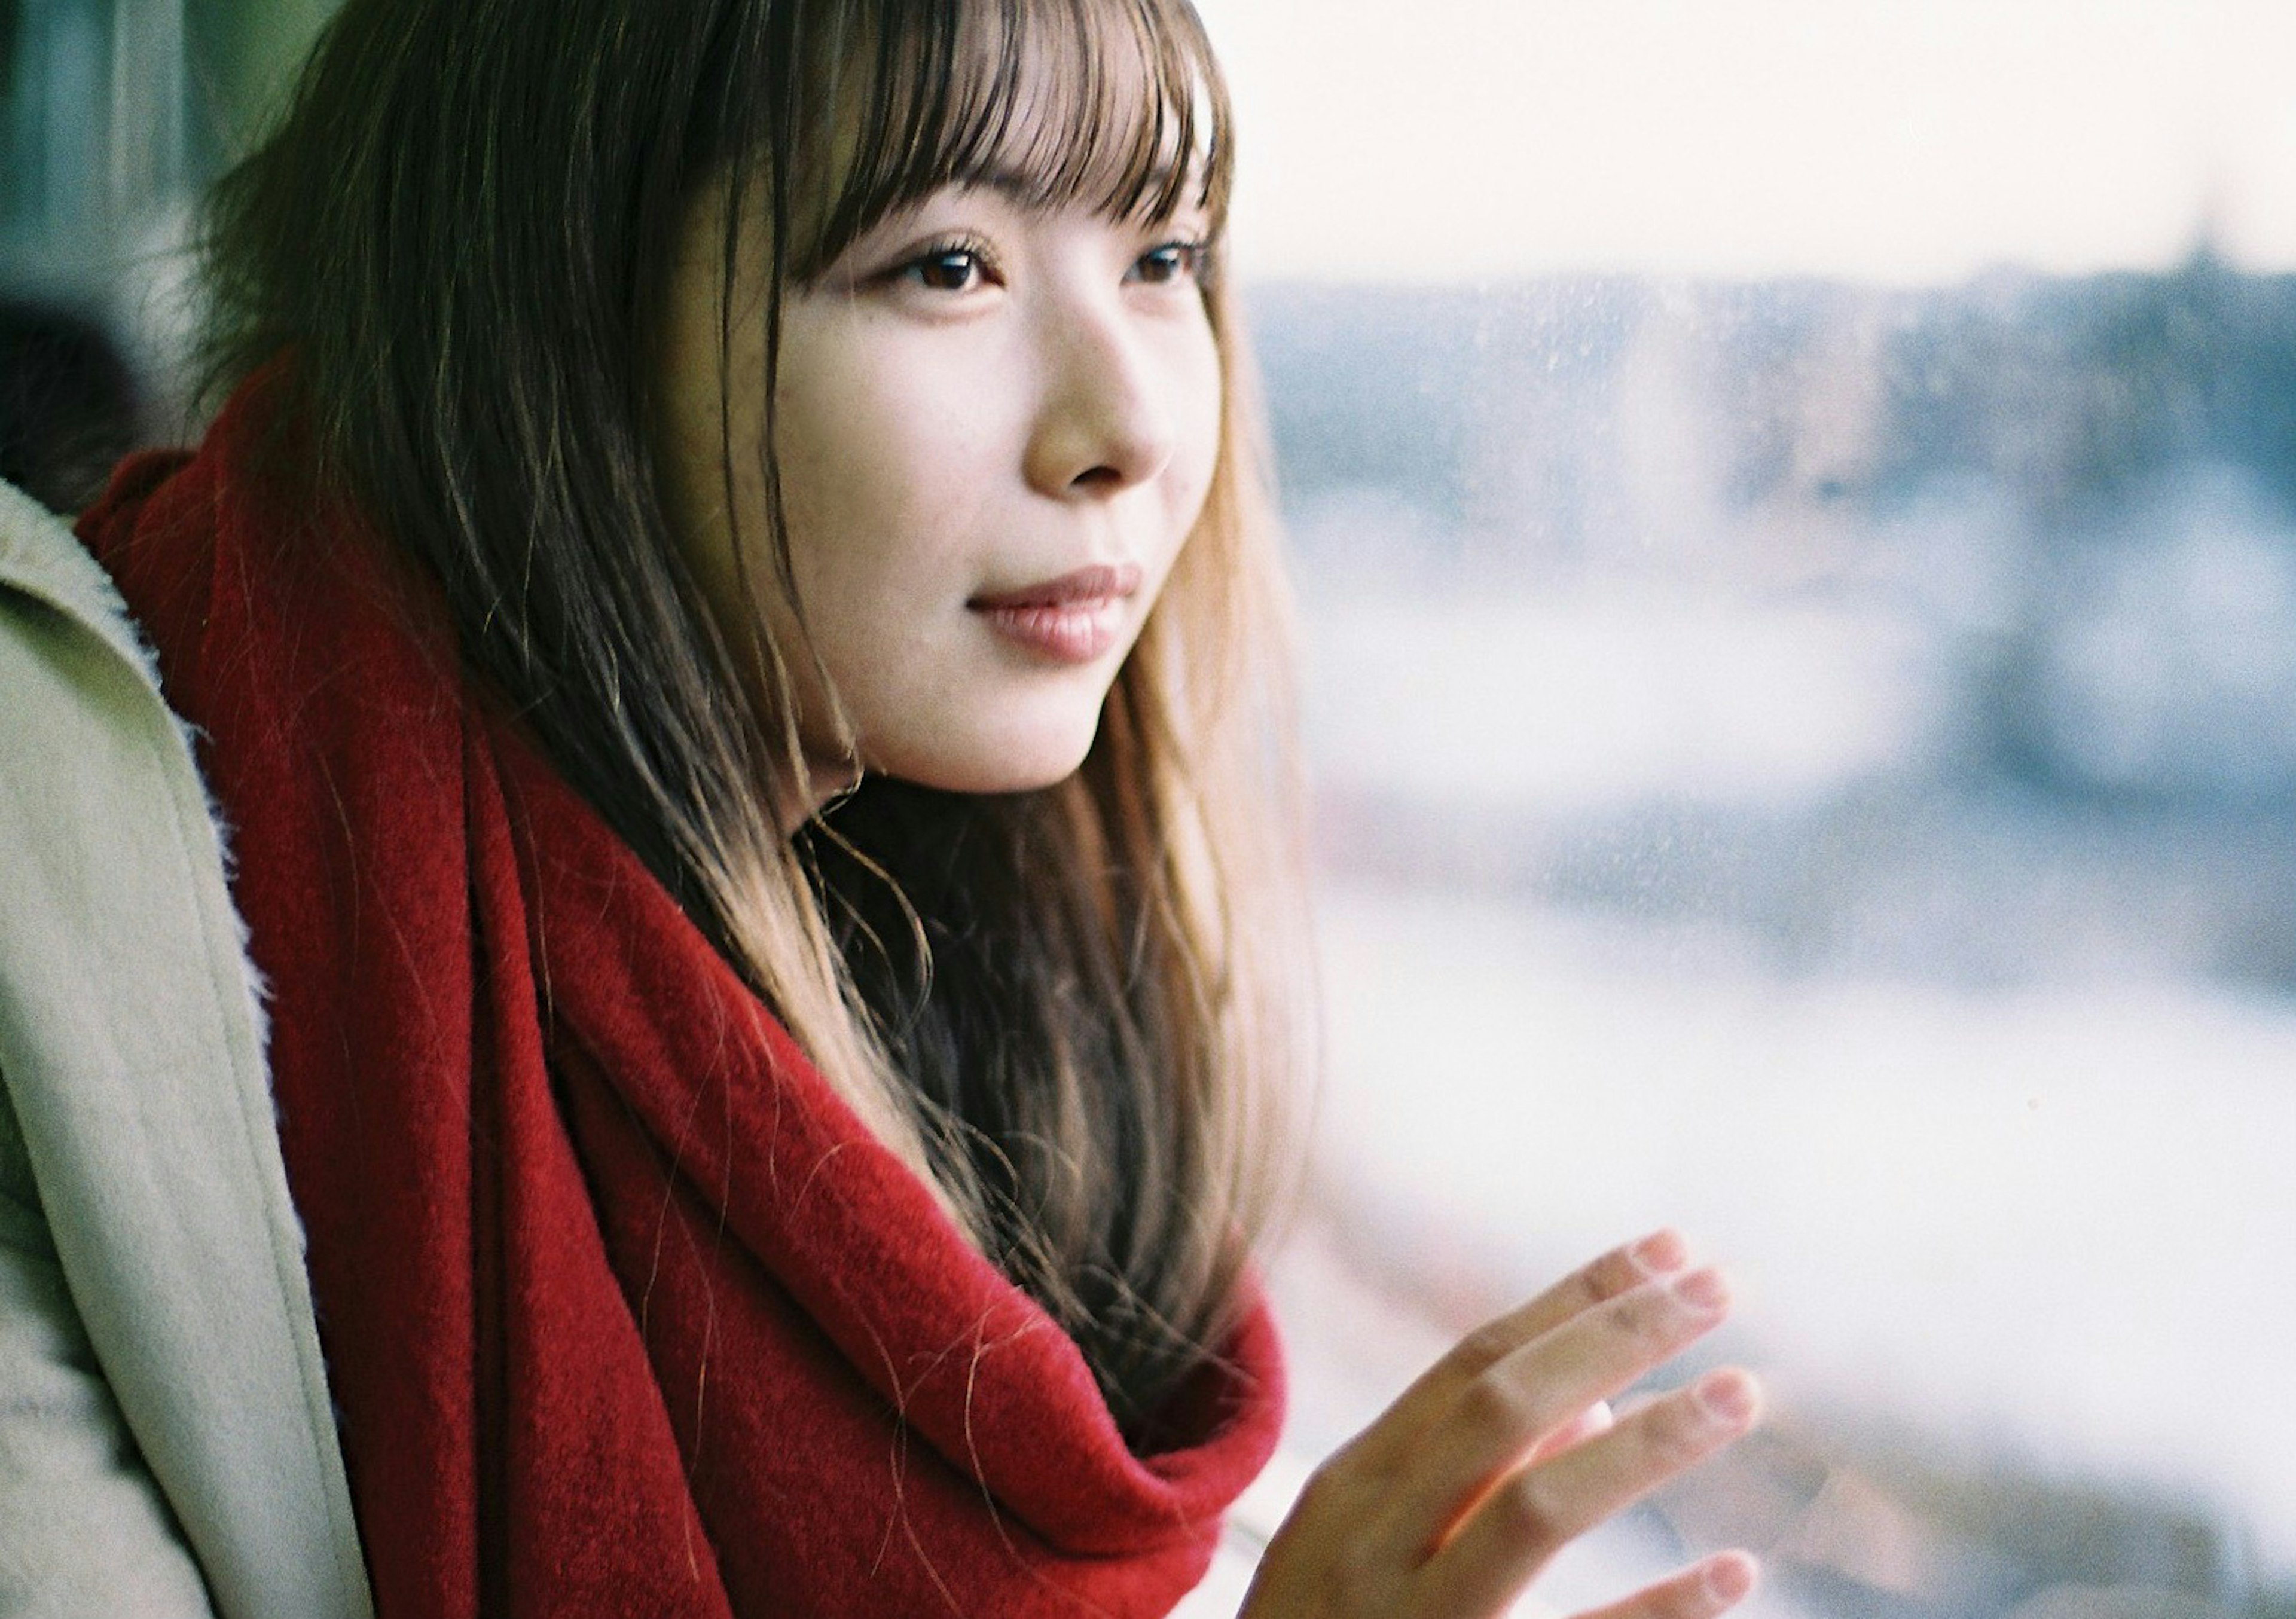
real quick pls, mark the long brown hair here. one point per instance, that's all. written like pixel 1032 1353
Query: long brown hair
pixel 1076 1010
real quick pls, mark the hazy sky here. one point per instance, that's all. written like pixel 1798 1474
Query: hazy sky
pixel 1902 140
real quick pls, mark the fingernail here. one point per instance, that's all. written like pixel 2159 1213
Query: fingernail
pixel 1729 1577
pixel 1659 1254
pixel 1702 1292
pixel 1728 1398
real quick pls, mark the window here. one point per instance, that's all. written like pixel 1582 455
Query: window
pixel 1795 510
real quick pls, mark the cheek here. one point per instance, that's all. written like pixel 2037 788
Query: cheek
pixel 1198 421
pixel 881 460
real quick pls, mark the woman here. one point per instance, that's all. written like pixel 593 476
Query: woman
pixel 732 621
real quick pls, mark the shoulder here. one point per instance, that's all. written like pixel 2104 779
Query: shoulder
pixel 92 764
pixel 46 570
pixel 131 1050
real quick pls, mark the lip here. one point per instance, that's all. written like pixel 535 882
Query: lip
pixel 1102 582
pixel 1073 619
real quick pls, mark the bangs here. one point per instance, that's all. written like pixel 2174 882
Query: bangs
pixel 1114 105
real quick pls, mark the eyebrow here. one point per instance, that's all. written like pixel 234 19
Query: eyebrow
pixel 1017 187
pixel 1010 183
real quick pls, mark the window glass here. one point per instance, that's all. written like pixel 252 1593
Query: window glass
pixel 1795 512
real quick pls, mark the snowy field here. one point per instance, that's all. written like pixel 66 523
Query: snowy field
pixel 2054 1226
pixel 1601 698
pixel 2045 1225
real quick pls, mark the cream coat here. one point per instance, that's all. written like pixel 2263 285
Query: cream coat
pixel 166 1446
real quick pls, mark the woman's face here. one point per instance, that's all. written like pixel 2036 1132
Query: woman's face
pixel 995 424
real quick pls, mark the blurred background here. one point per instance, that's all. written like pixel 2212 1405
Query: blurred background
pixel 1794 506
pixel 1795 510
pixel 113 115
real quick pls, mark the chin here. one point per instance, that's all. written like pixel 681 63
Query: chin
pixel 1005 764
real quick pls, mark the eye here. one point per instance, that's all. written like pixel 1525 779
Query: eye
pixel 948 267
pixel 1173 262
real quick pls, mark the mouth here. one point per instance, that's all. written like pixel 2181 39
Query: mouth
pixel 1072 619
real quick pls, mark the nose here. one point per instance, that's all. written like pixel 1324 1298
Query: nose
pixel 1103 422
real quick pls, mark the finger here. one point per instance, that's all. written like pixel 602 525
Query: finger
pixel 1619 1271
pixel 1497 1418
pixel 1534 1513
pixel 1714 1587
pixel 1597 1419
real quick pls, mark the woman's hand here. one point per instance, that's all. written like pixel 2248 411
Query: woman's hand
pixel 1504 1451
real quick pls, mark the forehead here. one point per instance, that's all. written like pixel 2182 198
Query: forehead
pixel 1115 107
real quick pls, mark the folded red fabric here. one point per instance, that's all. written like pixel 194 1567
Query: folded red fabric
pixel 625 1312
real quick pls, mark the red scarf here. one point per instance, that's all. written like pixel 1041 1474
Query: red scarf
pixel 625 1312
